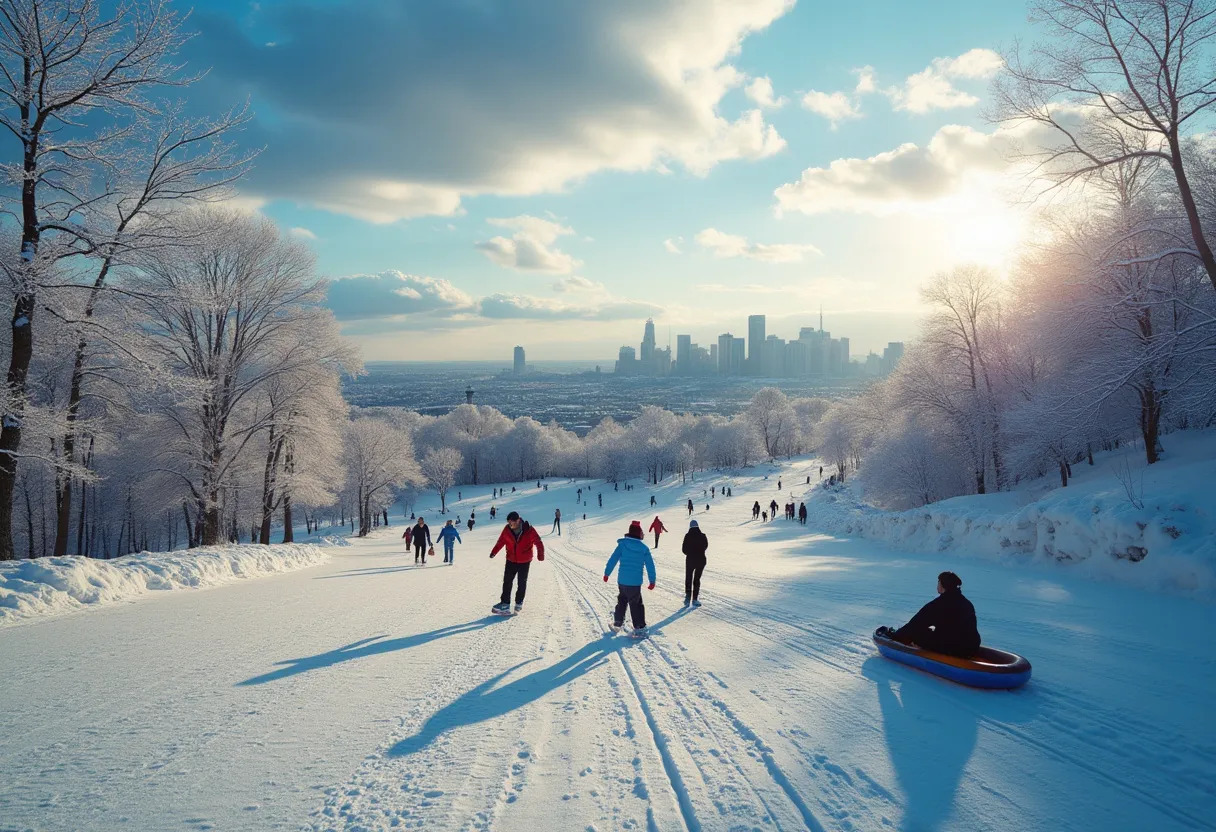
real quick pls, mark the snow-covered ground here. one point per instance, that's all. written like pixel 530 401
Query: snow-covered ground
pixel 1146 526
pixel 52 586
pixel 367 693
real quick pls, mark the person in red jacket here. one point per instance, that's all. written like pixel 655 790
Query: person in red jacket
pixel 657 527
pixel 519 539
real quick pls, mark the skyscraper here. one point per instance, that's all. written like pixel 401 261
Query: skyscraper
pixel 521 365
pixel 755 344
pixel 684 354
pixel 648 341
pixel 736 356
pixel 725 353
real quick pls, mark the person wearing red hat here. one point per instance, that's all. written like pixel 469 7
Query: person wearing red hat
pixel 633 555
pixel 519 539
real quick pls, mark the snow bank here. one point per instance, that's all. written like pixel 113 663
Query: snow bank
pixel 50 586
pixel 1161 536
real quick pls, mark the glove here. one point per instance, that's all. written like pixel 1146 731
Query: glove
pixel 650 587
pixel 540 557
pixel 491 556
pixel 605 579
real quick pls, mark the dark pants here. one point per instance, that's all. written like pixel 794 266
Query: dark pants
pixel 630 596
pixel 557 526
pixel 927 639
pixel 656 540
pixel 509 572
pixel 693 567
pixel 420 551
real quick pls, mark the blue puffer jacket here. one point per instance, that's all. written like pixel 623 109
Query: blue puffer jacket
pixel 632 554
pixel 447 534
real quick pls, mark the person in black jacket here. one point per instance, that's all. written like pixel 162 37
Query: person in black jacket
pixel 421 539
pixel 694 548
pixel 944 625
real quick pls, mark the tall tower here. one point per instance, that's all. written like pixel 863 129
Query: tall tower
pixel 755 344
pixel 468 395
pixel 521 366
pixel 647 353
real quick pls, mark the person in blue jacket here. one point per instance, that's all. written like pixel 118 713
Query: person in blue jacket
pixel 450 535
pixel 632 554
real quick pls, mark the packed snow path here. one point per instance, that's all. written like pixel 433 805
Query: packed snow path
pixel 368 694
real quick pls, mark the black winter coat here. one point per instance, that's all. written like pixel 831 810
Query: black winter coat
pixel 952 617
pixel 695 544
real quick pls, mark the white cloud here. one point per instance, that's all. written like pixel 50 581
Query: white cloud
pixel 933 87
pixel 673 246
pixel 579 88
pixel 531 247
pixel 575 283
pixel 392 292
pixel 302 233
pixel 834 106
pixel 732 245
pixel 760 91
pixel 510 307
pixel 865 80
pixel 910 176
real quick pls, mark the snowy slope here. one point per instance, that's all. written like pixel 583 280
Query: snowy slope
pixel 49 586
pixel 370 694
pixel 1167 542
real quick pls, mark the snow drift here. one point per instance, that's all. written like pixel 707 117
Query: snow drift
pixel 49 586
pixel 1151 526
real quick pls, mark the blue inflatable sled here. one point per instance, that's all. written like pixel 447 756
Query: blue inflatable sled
pixel 986 668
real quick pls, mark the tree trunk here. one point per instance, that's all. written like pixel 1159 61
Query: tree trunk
pixel 386 518
pixel 29 520
pixel 1192 211
pixel 1150 422
pixel 288 532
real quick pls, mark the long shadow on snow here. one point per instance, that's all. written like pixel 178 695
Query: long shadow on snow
pixel 378 570
pixel 363 648
pixel 486 701
pixel 928 740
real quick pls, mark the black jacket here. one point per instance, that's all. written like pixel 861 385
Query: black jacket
pixel 695 544
pixel 953 620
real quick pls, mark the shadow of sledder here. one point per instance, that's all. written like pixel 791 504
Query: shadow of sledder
pixel 486 701
pixel 929 742
pixel 365 647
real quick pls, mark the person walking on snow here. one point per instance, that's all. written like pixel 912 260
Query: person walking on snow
pixel 694 548
pixel 657 527
pixel 802 513
pixel 772 509
pixel 778 485
pixel 470 523
pixel 600 496
pixel 557 522
pixel 690 506
pixel 408 536
pixel 519 539
pixel 450 535
pixel 652 499
pixel 756 510
pixel 422 540
pixel 632 554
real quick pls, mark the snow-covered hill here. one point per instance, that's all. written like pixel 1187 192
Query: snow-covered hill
pixel 1148 526
pixel 49 586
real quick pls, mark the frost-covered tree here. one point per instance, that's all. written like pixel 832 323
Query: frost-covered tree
pixel 76 78
pixel 773 416
pixel 379 459
pixel 440 468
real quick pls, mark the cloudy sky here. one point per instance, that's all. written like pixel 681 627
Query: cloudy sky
pixel 475 174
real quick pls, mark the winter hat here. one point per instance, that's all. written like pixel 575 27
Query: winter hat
pixel 513 516
pixel 692 524
pixel 635 530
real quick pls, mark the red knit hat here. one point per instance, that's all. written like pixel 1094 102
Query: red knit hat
pixel 635 530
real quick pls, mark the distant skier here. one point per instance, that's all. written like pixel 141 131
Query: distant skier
pixel 802 513
pixel 633 555
pixel 944 625
pixel 658 528
pixel 557 522
pixel 690 506
pixel 756 510
pixel 519 539
pixel 450 535
pixel 421 539
pixel 652 499
pixel 694 548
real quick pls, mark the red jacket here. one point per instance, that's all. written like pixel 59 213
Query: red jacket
pixel 520 550
pixel 657 526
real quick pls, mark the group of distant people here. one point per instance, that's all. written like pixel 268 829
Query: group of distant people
pixel 791 512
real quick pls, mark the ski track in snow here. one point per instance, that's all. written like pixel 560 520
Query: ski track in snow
pixel 765 709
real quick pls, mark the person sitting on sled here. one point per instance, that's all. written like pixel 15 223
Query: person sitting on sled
pixel 944 625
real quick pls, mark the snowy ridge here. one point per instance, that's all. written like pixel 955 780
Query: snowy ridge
pixel 50 586
pixel 1158 532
